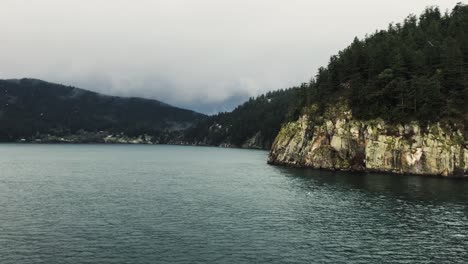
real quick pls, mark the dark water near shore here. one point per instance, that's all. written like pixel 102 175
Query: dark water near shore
pixel 172 204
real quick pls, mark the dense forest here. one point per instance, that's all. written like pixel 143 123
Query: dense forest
pixel 30 107
pixel 262 115
pixel 415 70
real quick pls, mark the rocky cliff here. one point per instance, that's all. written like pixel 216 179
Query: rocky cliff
pixel 335 140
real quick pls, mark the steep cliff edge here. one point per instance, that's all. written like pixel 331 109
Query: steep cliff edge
pixel 337 141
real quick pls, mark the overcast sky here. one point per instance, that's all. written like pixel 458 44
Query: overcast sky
pixel 205 55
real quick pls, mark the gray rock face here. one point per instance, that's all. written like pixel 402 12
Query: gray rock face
pixel 254 142
pixel 339 142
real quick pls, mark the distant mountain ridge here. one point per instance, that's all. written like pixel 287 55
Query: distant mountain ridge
pixel 30 108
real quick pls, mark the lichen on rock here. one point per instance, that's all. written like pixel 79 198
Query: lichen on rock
pixel 340 142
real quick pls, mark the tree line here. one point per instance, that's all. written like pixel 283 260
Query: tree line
pixel 415 70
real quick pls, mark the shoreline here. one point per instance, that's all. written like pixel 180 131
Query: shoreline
pixel 289 165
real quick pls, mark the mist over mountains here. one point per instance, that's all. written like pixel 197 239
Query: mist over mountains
pixel 204 55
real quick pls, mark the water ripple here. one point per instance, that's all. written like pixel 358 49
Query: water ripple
pixel 163 204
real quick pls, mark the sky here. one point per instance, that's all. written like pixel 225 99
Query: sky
pixel 205 55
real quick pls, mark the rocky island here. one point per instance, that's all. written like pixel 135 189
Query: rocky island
pixel 394 102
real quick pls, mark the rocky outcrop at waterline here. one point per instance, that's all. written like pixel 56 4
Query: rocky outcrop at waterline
pixel 337 141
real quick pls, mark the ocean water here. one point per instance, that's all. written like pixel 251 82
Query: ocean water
pixel 174 204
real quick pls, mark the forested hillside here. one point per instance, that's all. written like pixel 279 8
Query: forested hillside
pixel 253 124
pixel 414 70
pixel 30 107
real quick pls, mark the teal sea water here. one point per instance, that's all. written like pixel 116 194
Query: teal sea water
pixel 174 204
